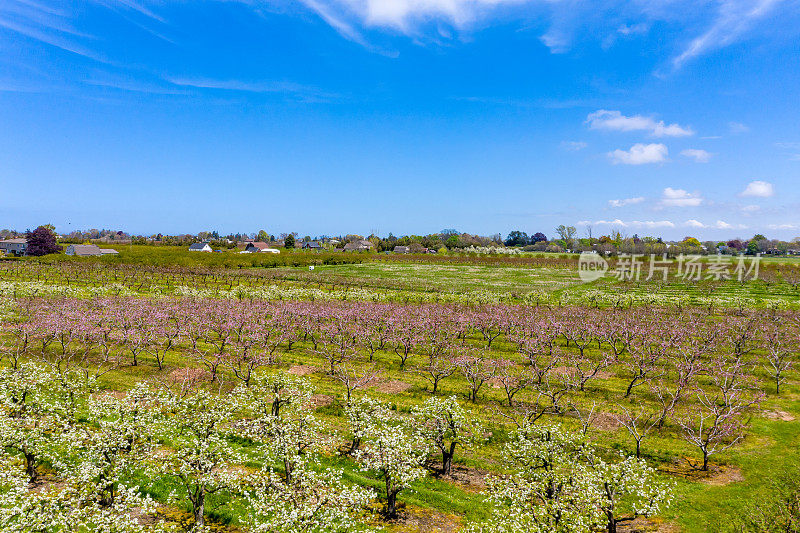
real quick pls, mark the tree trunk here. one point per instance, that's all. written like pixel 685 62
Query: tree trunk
pixel 199 508
pixel 630 387
pixel 391 499
pixel 355 444
pixel 30 466
pixel 447 463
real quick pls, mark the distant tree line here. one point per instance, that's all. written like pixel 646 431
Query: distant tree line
pixel 565 239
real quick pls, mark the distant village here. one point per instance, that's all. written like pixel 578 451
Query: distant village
pixel 106 242
pixel 19 247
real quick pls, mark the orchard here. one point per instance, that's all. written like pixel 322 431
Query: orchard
pixel 147 413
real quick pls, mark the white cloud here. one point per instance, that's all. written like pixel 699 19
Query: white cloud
pixel 654 224
pixel 759 189
pixel 604 119
pixel 651 224
pixel 626 201
pixel 699 156
pixel 751 208
pixel 265 87
pixel 734 20
pixel 556 42
pixel 788 145
pixel 791 147
pixel 573 146
pixel 680 198
pixel 640 154
pixel 738 127
pixel 633 29
pixel 783 226
pixel 719 224
pixel 564 22
pixel 402 15
pixel 615 222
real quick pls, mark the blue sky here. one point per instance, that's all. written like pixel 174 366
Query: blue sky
pixel 659 117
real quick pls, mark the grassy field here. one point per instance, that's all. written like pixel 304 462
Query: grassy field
pixel 533 278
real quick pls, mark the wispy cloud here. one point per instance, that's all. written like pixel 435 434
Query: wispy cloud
pixel 573 146
pixel 640 154
pixel 344 29
pixel 783 226
pixel 564 23
pixel 792 147
pixel 134 6
pixel 262 87
pixel 699 156
pixel 738 127
pixel 734 19
pixel 633 29
pixel 52 39
pixel 134 86
pixel 626 201
pixel 403 14
pixel 788 145
pixel 608 120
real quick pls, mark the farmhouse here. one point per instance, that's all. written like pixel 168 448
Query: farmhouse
pixel 257 247
pixel 358 246
pixel 83 250
pixel 200 247
pixel 14 246
pixel 402 250
pixel 311 245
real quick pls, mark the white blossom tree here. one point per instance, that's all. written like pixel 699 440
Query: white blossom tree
pixel 115 444
pixel 199 457
pixel 549 489
pixel 311 501
pixel 396 454
pixel 362 414
pixel 29 414
pixel 557 483
pixel 628 486
pixel 280 418
pixel 446 425
pixel 66 507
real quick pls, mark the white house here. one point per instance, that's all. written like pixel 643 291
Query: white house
pixel 200 247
